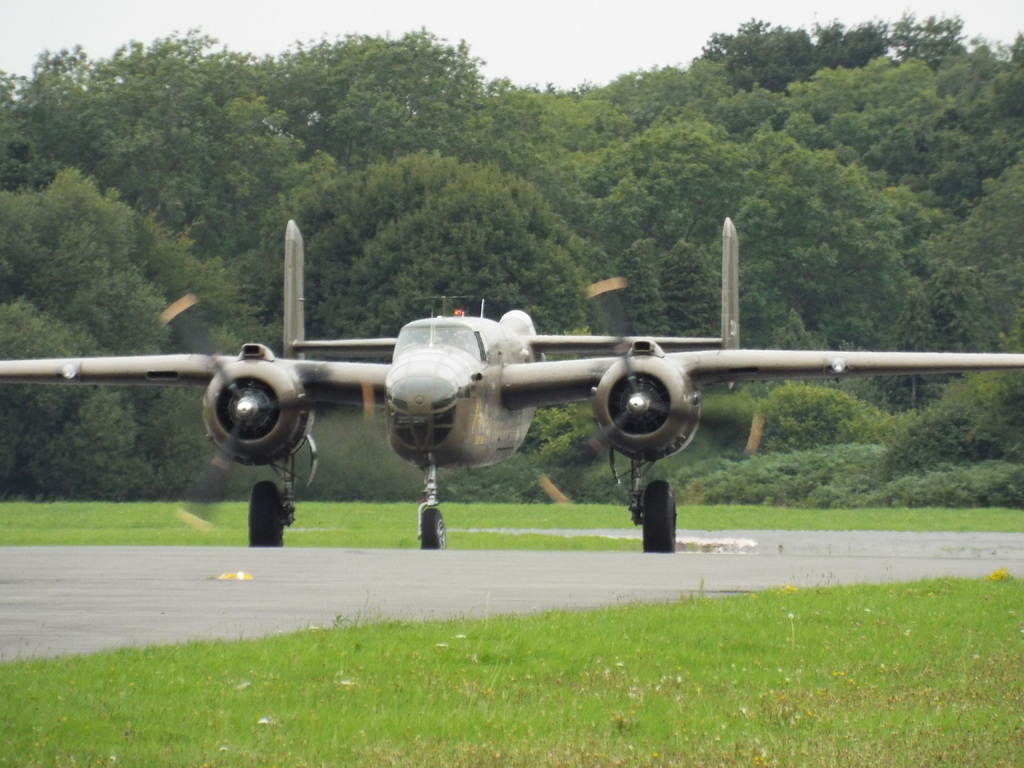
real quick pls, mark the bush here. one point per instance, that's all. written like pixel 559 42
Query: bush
pixel 977 419
pixel 985 484
pixel 825 477
pixel 799 417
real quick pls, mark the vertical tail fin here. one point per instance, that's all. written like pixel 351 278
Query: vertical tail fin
pixel 730 287
pixel 294 316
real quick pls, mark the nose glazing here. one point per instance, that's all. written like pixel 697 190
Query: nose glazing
pixel 422 395
pixel 422 409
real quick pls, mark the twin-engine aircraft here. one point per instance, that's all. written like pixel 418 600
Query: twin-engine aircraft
pixel 461 392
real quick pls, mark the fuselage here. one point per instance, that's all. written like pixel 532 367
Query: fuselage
pixel 444 390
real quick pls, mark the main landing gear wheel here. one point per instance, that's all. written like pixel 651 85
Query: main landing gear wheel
pixel 659 521
pixel 432 532
pixel 266 515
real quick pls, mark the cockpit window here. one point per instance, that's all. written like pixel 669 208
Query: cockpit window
pixel 441 335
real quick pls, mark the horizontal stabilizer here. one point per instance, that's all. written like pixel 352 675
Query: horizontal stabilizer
pixel 614 345
pixel 351 349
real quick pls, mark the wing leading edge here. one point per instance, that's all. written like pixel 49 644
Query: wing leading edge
pixel 536 385
pixel 194 370
pixel 323 381
pixel 766 365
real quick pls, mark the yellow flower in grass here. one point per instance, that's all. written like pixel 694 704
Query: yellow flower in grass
pixel 1000 574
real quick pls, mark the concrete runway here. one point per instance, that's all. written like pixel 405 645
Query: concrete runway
pixel 72 600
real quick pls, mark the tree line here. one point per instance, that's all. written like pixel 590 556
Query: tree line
pixel 874 173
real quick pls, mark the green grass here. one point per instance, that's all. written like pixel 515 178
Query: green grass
pixel 322 524
pixel 905 674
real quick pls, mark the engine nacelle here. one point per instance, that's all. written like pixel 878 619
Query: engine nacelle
pixel 256 410
pixel 646 407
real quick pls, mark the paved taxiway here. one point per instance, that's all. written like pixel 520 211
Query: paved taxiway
pixel 65 600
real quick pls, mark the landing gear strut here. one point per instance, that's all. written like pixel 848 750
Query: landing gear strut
pixel 654 508
pixel 431 523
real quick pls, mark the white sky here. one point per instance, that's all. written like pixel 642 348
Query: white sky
pixel 564 42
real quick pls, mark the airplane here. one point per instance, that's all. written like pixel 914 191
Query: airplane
pixel 460 391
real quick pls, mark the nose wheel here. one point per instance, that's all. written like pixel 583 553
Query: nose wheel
pixel 431 523
pixel 432 531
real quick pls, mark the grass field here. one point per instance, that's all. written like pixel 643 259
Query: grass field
pixel 394 525
pixel 929 673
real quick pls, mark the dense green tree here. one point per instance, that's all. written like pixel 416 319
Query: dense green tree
pixel 657 206
pixel 982 261
pixel 77 442
pixel 1008 86
pixel 690 281
pixel 759 54
pixel 941 133
pixel 68 250
pixel 775 57
pixel 885 115
pixel 667 92
pixel 53 108
pixel 818 238
pixel 675 181
pixel 933 41
pixel 383 242
pixel 745 113
pixel 794 334
pixel 838 47
pixel 76 268
pixel 21 167
pixel 179 129
pixel 365 99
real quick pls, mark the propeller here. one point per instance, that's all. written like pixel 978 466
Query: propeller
pixel 639 402
pixel 247 409
pixel 210 486
pixel 190 325
pixel 608 294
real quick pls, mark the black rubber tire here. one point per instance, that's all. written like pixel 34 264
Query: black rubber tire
pixel 659 523
pixel 432 531
pixel 266 527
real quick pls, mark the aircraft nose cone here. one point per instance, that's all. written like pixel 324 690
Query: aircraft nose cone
pixel 423 394
pixel 421 406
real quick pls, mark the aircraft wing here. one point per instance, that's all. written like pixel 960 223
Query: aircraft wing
pixel 348 348
pixel 534 385
pixel 342 382
pixel 734 365
pixel 323 381
pixel 196 370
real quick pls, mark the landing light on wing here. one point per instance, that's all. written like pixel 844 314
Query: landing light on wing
pixel 837 365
